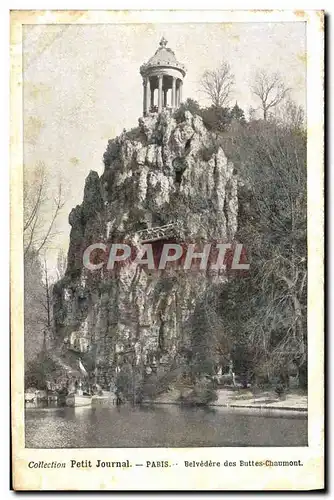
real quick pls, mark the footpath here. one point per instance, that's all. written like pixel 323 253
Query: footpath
pixel 295 400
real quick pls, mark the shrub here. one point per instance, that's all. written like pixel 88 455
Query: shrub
pixel 38 371
pixel 188 105
pixel 129 384
pixel 202 394
pixel 112 153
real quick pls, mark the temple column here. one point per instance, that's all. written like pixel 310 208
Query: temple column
pixel 160 95
pixel 147 97
pixel 152 98
pixel 180 91
pixel 165 98
pixel 174 93
pixel 144 95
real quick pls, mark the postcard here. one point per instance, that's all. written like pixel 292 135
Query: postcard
pixel 167 220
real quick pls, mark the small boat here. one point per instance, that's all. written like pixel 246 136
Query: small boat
pixel 27 400
pixel 78 398
pixel 29 397
pixel 75 399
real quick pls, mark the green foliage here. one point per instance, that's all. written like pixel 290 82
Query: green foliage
pixel 129 383
pixel 202 394
pixel 237 114
pixel 188 105
pixel 150 387
pixel 112 152
pixel 265 312
pixel 157 384
pixel 124 381
pixel 40 370
pixel 259 317
pixel 35 316
pixel 202 357
pixel 216 118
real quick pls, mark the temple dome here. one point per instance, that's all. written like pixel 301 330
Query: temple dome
pixel 163 57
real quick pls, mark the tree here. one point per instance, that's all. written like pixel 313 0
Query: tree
pixel 189 105
pixel 48 294
pixel 39 371
pixel 37 227
pixel 216 118
pixel 192 106
pixel 38 231
pixel 272 162
pixel 251 113
pixel 35 317
pixel 270 89
pixel 49 280
pixel 291 114
pixel 217 85
pixel 237 114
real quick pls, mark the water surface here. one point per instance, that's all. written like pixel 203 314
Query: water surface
pixel 161 426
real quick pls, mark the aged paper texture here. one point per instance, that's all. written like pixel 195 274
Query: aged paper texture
pixel 167 250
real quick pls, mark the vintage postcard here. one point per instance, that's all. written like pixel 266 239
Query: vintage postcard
pixel 167 250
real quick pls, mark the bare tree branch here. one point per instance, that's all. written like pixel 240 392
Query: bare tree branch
pixel 37 231
pixel 270 89
pixel 59 205
pixel 217 84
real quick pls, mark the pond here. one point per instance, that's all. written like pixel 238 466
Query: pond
pixel 161 426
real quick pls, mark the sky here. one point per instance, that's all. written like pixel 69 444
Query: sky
pixel 82 86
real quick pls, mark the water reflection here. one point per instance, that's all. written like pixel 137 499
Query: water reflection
pixel 155 426
pixel 41 403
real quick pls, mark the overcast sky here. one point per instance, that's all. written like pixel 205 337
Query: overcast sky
pixel 82 84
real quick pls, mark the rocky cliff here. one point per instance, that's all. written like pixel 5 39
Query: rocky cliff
pixel 167 170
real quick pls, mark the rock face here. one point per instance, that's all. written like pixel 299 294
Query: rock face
pixel 166 170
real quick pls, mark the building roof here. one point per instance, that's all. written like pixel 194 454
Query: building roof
pixel 164 56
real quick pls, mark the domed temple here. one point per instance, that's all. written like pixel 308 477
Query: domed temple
pixel 162 80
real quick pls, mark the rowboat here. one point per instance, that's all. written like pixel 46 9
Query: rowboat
pixel 75 399
pixel 78 398
pixel 29 396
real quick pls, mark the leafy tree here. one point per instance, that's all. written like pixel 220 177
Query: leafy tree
pixel 216 118
pixel 129 383
pixel 237 114
pixel 35 317
pixel 202 394
pixel 189 105
pixel 39 371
